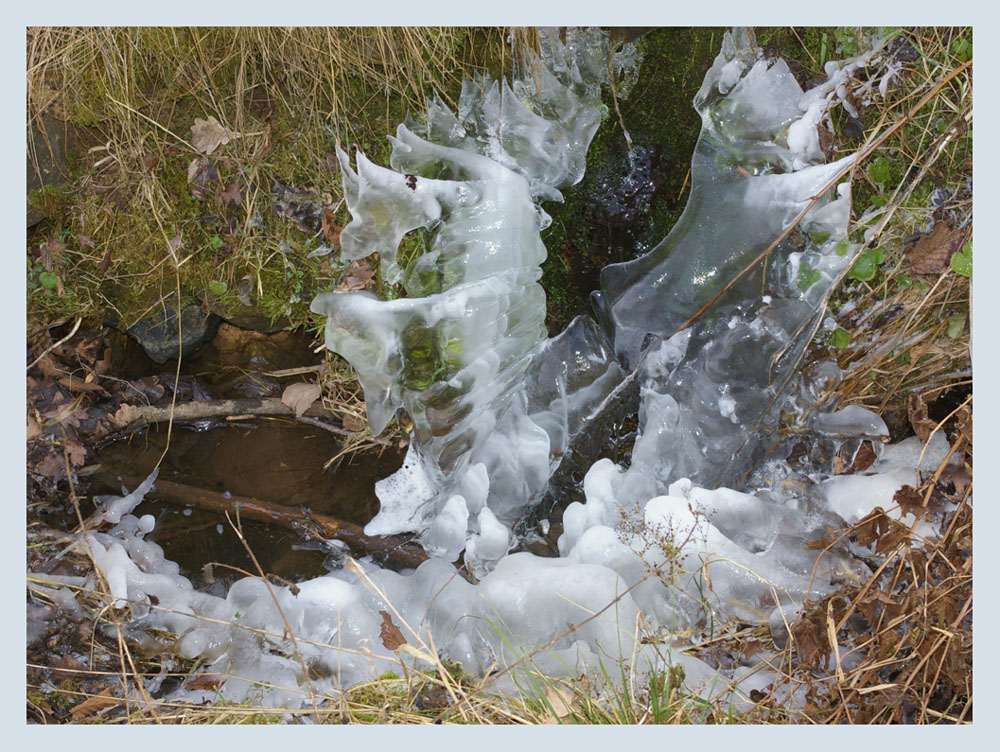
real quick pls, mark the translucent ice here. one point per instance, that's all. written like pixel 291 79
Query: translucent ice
pixel 463 353
pixel 715 380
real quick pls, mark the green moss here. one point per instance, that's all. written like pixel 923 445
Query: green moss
pixel 658 112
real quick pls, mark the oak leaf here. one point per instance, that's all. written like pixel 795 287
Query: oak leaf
pixel 125 414
pixel 208 135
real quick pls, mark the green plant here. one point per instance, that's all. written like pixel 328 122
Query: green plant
pixel 961 262
pixel 866 265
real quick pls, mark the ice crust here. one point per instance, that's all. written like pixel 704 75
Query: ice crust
pixel 663 547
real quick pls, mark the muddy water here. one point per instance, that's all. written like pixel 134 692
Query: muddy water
pixel 272 459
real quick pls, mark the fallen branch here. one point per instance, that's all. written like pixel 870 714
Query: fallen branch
pixel 396 551
pixel 199 409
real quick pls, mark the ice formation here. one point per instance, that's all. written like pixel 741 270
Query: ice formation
pixel 662 546
pixel 457 353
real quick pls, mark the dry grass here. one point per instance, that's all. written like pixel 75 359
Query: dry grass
pixel 909 325
pixel 133 96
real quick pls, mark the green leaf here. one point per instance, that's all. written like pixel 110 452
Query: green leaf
pixel 864 268
pixel 840 338
pixel 819 237
pixel 878 170
pixel 877 254
pixel 962 49
pixel 217 288
pixel 961 262
pixel 842 248
pixel 956 326
pixel 807 276
pixel 215 242
pixel 904 282
pixel 48 280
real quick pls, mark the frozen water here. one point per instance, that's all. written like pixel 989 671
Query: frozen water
pixel 463 353
pixel 668 543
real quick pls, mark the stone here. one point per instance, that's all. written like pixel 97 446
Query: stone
pixel 157 332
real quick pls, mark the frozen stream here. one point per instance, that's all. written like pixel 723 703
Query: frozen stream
pixel 706 525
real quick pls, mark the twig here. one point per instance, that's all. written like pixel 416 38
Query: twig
pixel 49 349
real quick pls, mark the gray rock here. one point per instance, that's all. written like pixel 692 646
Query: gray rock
pixel 157 333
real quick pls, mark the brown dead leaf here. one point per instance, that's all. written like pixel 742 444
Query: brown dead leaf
pixel 105 263
pixel 81 386
pixel 359 277
pixel 811 640
pixel 94 704
pixel 48 251
pixel 931 253
pixel 910 501
pixel 206 681
pixel 48 366
pixel 149 161
pixel 964 417
pixel 824 541
pixel 34 430
pixel 871 527
pixel 208 135
pixel 958 476
pixel 103 366
pixel 391 637
pixel 243 290
pixel 76 451
pixel 69 666
pixel 85 241
pixel 352 422
pixel 559 703
pixel 300 396
pixel 70 413
pixel 125 415
pixel 232 195
pixel 331 230
pixel 916 407
pixel 827 141
pixel 52 466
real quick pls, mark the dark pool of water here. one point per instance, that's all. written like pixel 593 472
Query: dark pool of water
pixel 275 460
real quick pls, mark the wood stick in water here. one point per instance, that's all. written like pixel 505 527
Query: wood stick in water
pixel 396 551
